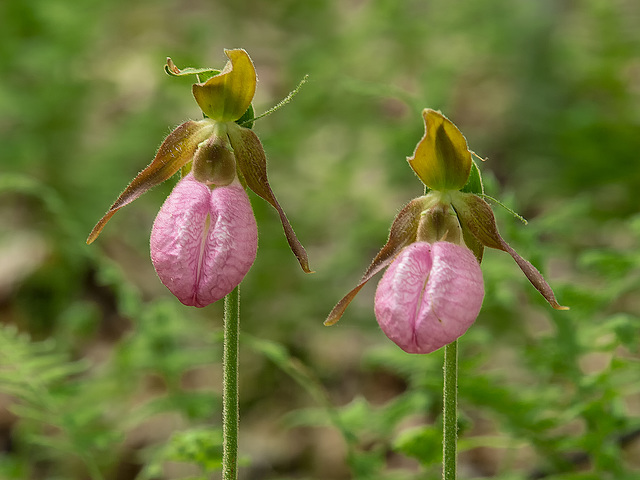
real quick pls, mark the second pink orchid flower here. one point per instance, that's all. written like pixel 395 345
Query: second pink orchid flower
pixel 432 290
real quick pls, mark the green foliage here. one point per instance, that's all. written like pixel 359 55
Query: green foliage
pixel 202 447
pixel 34 374
pixel 424 444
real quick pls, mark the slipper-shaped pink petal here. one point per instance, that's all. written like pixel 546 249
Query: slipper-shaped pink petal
pixel 429 296
pixel 204 241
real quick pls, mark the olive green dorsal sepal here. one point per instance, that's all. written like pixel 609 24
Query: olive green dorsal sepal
pixel 203 74
pixel 441 159
pixel 226 97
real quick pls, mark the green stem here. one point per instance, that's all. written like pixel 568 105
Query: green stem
pixel 450 412
pixel 230 418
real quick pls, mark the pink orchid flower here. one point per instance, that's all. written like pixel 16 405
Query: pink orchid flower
pixel 432 290
pixel 204 239
pixel 429 296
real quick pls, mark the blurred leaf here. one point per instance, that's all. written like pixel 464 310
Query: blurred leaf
pixel 424 444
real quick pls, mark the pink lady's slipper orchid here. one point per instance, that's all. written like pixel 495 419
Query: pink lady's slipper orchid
pixel 204 239
pixel 432 291
pixel 429 296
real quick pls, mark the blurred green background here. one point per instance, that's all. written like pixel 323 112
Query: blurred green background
pixel 105 374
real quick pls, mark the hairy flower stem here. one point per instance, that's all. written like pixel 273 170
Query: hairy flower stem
pixel 450 412
pixel 230 418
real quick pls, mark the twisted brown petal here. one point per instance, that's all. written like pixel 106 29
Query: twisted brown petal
pixel 176 150
pixel 403 232
pixel 476 215
pixel 252 162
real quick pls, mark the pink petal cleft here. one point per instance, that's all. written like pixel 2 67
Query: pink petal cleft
pixel 204 241
pixel 429 296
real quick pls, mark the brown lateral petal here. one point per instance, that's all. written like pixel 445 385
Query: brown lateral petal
pixel 176 150
pixel 473 243
pixel 252 162
pixel 403 232
pixel 476 216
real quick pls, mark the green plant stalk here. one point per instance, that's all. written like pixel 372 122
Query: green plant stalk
pixel 450 412
pixel 230 417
